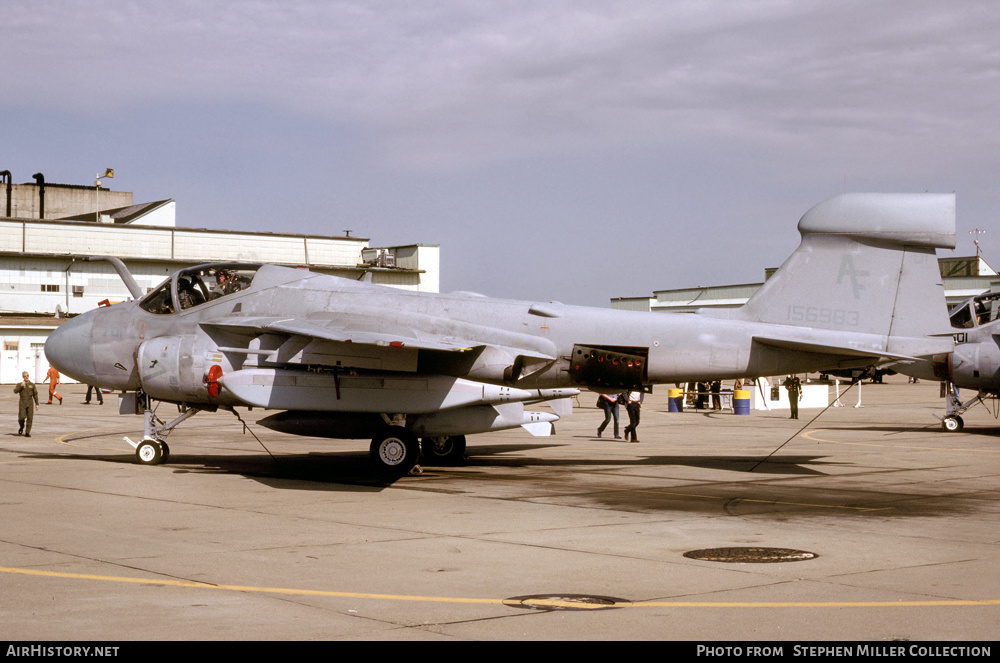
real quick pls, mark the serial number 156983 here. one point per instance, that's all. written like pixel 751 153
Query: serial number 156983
pixel 839 317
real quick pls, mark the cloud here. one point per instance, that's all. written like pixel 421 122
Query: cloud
pixel 448 85
pixel 440 121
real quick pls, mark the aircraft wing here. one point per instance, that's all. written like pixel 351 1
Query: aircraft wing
pixel 365 342
pixel 347 329
pixel 433 378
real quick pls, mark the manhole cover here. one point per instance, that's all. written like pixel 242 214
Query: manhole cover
pixel 564 602
pixel 751 555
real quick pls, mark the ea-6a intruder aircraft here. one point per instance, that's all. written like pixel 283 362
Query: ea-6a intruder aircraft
pixel 346 359
pixel 975 362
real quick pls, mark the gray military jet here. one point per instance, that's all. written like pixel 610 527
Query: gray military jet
pixel 975 362
pixel 346 359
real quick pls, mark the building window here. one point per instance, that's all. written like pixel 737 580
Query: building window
pixel 50 288
pixel 10 346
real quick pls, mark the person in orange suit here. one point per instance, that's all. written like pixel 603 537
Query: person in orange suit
pixel 52 377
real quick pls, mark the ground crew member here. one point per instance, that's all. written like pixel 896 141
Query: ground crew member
pixel 52 377
pixel 794 387
pixel 25 413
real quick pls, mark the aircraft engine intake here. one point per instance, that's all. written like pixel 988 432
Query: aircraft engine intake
pixel 976 365
pixel 171 370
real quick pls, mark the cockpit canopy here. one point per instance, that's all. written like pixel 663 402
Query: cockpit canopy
pixel 975 311
pixel 196 285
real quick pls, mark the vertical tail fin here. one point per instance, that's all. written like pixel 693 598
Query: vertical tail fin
pixel 866 264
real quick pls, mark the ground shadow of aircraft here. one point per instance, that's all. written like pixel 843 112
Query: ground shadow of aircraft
pixel 754 493
pixel 340 471
pixel 486 455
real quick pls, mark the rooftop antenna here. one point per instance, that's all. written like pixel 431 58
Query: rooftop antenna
pixel 108 173
pixel 979 250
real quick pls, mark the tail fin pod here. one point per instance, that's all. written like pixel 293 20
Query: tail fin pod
pixel 866 264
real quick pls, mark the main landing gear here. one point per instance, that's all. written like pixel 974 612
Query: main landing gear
pixel 443 450
pixel 396 451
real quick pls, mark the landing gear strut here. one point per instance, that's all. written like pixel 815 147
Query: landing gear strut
pixel 153 448
pixel 952 421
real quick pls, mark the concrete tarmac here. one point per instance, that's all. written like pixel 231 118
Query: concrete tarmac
pixel 566 537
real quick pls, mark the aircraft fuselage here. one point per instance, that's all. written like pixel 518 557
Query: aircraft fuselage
pixel 125 347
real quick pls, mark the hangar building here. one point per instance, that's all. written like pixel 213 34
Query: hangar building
pixel 963 277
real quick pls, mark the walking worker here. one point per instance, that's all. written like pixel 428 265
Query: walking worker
pixel 608 403
pixel 25 413
pixel 52 377
pixel 632 407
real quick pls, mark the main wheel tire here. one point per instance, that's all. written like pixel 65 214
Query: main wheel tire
pixel 443 450
pixel 952 424
pixel 149 453
pixel 396 451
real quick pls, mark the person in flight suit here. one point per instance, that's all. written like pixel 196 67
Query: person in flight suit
pixel 28 393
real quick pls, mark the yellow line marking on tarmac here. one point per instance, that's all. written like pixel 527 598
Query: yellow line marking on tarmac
pixel 532 601
pixel 83 434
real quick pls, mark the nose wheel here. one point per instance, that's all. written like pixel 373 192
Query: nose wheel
pixel 152 452
pixel 153 449
pixel 952 423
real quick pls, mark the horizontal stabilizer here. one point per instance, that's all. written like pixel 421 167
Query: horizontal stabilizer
pixel 826 349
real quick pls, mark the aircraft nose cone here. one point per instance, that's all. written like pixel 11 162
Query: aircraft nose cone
pixel 69 348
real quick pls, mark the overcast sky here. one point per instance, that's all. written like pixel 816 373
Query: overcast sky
pixel 556 150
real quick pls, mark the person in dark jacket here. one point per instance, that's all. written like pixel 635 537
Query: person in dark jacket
pixel 608 403
pixel 794 387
